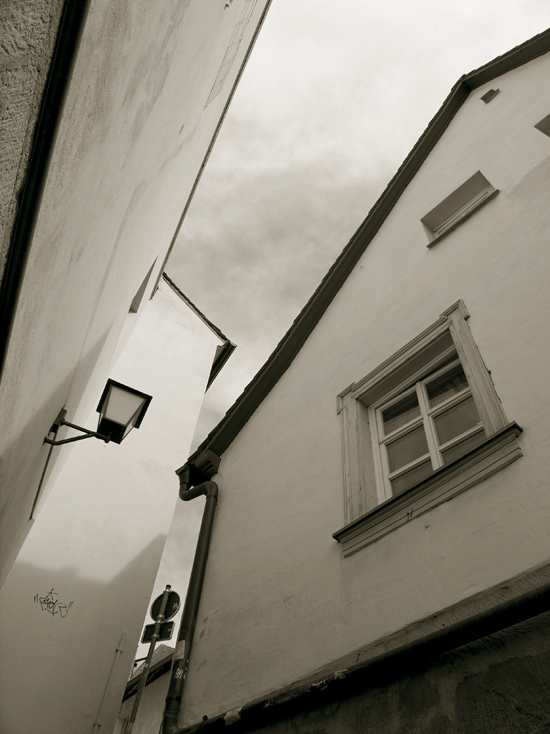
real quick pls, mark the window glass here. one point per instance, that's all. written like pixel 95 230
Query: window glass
pixel 407 448
pixel 412 477
pixel 446 386
pixel 456 420
pixel 459 449
pixel 400 413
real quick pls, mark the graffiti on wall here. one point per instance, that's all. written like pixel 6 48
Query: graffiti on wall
pixel 49 603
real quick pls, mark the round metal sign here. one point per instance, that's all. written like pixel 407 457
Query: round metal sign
pixel 172 606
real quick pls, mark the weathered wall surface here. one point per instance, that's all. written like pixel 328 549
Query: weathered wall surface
pixel 96 546
pixel 498 684
pixel 148 91
pixel 27 36
pixel 280 601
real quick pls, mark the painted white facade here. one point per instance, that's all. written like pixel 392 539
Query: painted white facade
pixel 280 601
pixel 96 545
pixel 148 91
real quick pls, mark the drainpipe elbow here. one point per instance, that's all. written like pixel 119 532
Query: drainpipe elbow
pixel 208 489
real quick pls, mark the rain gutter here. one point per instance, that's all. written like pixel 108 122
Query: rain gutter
pixel 69 36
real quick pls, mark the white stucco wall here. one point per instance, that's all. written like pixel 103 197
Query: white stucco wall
pixel 280 600
pixel 99 538
pixel 137 125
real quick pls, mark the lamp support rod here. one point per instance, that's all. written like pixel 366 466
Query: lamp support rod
pixel 86 431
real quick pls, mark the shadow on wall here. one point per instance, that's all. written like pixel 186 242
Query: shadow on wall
pixel 22 453
pixel 58 638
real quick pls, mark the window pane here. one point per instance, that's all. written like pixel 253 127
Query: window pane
pixel 458 419
pixel 400 413
pixel 407 448
pixel 410 478
pixel 446 386
pixel 463 447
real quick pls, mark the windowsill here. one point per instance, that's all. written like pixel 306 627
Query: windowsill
pixel 462 219
pixel 498 451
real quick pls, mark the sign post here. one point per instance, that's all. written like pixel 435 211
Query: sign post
pixel 164 606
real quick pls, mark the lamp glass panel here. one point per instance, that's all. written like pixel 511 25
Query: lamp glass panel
pixel 133 421
pixel 122 406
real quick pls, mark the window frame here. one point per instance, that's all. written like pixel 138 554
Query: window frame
pixel 364 490
pixel 425 419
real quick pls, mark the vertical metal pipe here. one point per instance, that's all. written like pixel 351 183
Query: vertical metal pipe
pixel 118 653
pixel 180 663
pixel 147 664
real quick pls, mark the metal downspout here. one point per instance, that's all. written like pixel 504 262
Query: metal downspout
pixel 182 652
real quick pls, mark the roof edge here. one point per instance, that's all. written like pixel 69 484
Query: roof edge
pixel 223 353
pixel 219 439
pixel 224 350
pixel 219 333
pixel 513 59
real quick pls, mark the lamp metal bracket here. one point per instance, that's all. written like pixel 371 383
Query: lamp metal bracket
pixel 60 421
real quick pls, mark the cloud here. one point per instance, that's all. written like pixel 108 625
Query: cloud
pixel 330 104
pixel 253 252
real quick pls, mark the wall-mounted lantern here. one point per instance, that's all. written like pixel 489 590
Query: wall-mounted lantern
pixel 120 409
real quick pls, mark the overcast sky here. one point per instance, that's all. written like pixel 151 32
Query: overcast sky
pixel 333 98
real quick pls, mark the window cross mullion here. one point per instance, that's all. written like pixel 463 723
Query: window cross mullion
pixel 429 426
pixel 402 430
pixel 450 402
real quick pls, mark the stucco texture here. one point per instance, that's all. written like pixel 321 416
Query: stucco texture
pixel 27 36
pixel 280 601
pixel 498 684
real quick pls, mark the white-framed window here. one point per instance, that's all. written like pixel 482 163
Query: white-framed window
pixel 424 425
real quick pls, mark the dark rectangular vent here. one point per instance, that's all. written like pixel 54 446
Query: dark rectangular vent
pixel 458 206
pixel 488 96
